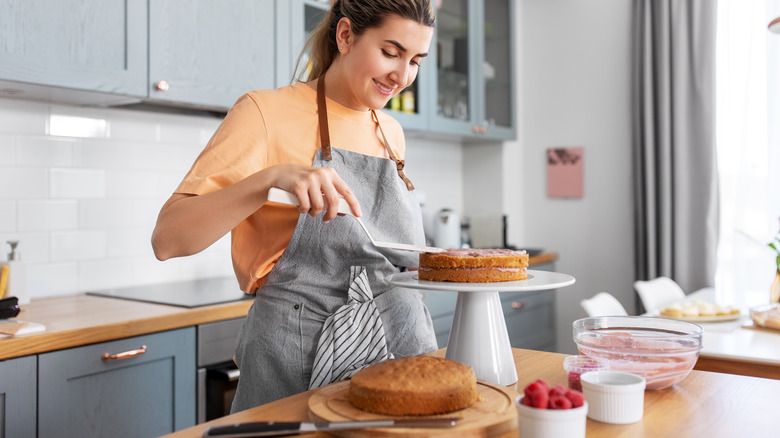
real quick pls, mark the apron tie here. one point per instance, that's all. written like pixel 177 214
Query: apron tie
pixel 352 338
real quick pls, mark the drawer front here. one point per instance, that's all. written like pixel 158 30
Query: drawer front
pixel 147 395
pixel 217 341
pixel 530 319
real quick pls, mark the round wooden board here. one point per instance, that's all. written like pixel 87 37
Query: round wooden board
pixel 493 414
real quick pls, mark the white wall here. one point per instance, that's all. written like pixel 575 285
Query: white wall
pixel 576 91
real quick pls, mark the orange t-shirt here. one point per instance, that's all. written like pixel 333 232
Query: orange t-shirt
pixel 269 127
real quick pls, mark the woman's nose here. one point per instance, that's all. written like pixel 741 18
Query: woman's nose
pixel 402 75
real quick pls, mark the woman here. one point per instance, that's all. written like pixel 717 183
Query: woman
pixel 323 308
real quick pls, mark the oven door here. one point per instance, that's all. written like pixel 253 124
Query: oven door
pixel 217 373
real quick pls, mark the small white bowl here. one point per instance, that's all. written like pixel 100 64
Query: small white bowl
pixel 615 397
pixel 551 423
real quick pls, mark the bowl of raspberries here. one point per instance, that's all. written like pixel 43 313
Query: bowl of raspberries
pixel 551 411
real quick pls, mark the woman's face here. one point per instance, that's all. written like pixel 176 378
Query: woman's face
pixel 381 62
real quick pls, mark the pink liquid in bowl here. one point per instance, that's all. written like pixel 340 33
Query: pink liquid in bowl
pixel 662 357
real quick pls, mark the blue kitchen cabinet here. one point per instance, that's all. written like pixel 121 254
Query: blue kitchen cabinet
pixel 18 397
pixel 145 395
pixel 93 45
pixel 474 86
pixel 207 53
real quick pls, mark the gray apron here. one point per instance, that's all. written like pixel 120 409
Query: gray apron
pixel 331 273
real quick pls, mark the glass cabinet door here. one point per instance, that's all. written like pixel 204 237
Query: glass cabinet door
pixel 499 114
pixel 454 98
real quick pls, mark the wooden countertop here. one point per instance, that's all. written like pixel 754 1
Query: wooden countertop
pixel 77 320
pixel 542 258
pixel 703 404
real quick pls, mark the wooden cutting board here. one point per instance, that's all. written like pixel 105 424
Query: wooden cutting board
pixel 494 414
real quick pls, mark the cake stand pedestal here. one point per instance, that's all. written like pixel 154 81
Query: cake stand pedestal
pixel 478 336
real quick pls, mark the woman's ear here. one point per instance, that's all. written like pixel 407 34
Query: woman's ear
pixel 344 35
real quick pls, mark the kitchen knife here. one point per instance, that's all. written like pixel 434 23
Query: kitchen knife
pixel 274 428
pixel 284 197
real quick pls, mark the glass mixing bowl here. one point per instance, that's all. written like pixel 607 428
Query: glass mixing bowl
pixel 661 350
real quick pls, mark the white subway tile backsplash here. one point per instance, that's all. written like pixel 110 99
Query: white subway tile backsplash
pixel 106 214
pixel 179 129
pixel 47 215
pixel 133 125
pixel 23 183
pixel 129 243
pixel 105 274
pixel 23 116
pixel 141 183
pixel 77 183
pixel 52 279
pixel 44 151
pixel 7 216
pixel 32 247
pixel 78 245
pixel 7 150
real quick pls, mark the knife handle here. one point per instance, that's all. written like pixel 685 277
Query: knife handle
pixel 284 197
pixel 253 429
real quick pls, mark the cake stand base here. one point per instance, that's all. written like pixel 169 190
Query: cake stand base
pixel 479 338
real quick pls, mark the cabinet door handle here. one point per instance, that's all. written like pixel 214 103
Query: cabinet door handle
pixel 124 354
pixel 162 86
pixel 519 304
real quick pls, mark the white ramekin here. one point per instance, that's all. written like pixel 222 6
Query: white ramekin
pixel 614 397
pixel 551 423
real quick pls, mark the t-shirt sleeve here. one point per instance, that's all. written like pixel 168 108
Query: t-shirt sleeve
pixel 237 149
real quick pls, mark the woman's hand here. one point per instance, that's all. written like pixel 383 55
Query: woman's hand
pixel 188 224
pixel 317 188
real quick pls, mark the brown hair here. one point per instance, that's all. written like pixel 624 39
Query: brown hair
pixel 363 15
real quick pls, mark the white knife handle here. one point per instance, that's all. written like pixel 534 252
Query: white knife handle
pixel 284 197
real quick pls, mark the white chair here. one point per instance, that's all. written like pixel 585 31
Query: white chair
pixel 603 304
pixel 658 293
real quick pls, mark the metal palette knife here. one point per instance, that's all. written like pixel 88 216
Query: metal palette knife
pixel 283 197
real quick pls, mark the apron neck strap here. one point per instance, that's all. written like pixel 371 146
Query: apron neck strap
pixel 322 113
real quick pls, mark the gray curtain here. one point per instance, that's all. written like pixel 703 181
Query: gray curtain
pixel 675 170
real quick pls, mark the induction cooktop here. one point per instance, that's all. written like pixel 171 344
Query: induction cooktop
pixel 193 293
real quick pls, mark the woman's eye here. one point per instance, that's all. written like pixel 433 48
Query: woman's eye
pixel 388 54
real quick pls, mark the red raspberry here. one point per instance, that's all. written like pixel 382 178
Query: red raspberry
pixel 537 394
pixel 525 401
pixel 559 402
pixel 558 390
pixel 575 397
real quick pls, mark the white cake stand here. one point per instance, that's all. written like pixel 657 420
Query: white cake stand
pixel 478 336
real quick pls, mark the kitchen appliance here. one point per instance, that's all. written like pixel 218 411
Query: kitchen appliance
pixel 217 374
pixel 446 229
pixel 194 293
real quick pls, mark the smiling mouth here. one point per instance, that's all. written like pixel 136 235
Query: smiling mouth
pixel 384 89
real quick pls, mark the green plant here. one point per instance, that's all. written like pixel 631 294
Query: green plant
pixel 775 245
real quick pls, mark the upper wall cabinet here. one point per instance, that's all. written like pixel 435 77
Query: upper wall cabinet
pixel 208 53
pixel 474 51
pixel 95 45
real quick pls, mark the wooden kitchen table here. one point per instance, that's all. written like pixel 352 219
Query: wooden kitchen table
pixel 704 404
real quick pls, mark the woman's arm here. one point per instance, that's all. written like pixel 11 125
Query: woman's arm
pixel 188 224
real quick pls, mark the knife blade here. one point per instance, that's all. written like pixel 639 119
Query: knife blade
pixel 277 428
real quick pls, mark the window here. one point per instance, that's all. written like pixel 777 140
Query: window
pixel 748 142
